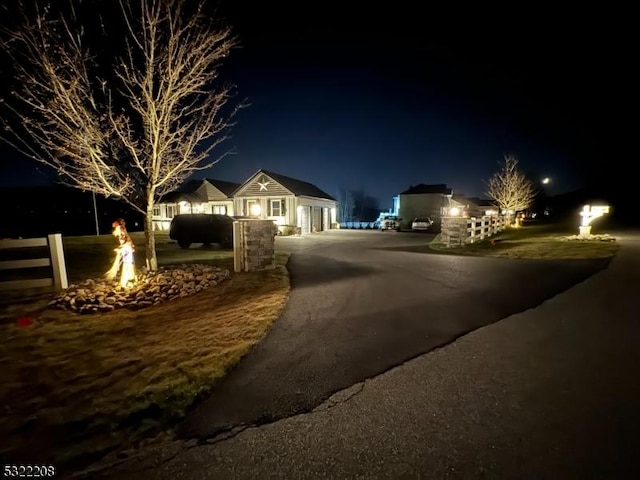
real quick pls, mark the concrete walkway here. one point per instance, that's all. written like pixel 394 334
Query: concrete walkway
pixel 550 393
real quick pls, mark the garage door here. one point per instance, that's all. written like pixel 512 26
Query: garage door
pixel 316 225
pixel 304 220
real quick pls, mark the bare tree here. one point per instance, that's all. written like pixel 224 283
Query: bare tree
pixel 346 205
pixel 509 188
pixel 131 125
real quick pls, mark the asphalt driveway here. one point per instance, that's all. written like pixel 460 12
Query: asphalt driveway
pixel 360 306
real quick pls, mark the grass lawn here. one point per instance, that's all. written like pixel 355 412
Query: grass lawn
pixel 75 387
pixel 535 241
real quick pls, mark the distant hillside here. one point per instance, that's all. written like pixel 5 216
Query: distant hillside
pixel 37 211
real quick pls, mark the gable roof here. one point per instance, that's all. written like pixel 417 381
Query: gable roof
pixel 188 191
pixel 225 187
pixel 295 186
pixel 422 188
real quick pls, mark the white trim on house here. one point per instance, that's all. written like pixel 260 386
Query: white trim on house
pixel 275 201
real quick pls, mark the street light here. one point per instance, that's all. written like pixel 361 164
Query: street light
pixel 546 180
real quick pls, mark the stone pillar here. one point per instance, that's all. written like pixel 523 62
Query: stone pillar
pixel 454 231
pixel 254 245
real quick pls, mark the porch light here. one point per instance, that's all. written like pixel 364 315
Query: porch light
pixel 454 211
pixel 255 209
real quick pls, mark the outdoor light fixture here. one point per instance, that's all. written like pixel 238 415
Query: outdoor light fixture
pixel 546 180
pixel 454 211
pixel 590 213
pixel 255 209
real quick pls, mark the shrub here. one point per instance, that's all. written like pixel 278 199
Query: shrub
pixel 288 230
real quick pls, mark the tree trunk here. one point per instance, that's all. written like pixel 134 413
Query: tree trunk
pixel 150 240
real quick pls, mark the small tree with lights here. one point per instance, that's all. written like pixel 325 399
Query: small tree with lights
pixel 510 189
pixel 126 106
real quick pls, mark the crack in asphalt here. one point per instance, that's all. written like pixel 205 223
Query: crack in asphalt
pixel 128 464
pixel 340 398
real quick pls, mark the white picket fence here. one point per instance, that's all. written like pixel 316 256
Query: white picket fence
pixel 457 232
pixel 58 278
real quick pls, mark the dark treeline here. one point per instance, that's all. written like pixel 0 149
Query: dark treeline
pixel 37 211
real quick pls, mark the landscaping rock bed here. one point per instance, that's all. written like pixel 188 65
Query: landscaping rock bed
pixel 589 238
pixel 152 288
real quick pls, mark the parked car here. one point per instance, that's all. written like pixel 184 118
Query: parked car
pixel 421 224
pixel 390 223
pixel 202 228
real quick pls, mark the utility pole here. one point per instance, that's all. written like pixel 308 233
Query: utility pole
pixel 95 213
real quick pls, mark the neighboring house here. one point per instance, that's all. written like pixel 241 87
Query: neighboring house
pixel 432 201
pixel 286 201
pixel 477 207
pixel 196 196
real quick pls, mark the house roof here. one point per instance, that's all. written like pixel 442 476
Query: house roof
pixel 475 201
pixel 295 186
pixel 188 190
pixel 225 187
pixel 185 192
pixel 422 188
pixel 481 202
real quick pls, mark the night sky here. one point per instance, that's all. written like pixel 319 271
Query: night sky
pixel 381 98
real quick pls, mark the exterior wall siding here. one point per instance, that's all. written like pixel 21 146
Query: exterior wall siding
pixel 417 205
pixel 169 210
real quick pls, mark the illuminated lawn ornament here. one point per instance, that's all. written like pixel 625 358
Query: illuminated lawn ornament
pixel 124 255
pixel 588 214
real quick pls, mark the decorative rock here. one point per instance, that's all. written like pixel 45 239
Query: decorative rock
pixel 152 288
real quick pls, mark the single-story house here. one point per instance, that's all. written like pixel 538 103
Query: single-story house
pixel 265 195
pixel 195 196
pixel 286 201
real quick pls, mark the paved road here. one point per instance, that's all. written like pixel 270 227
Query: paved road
pixel 549 393
pixel 363 303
